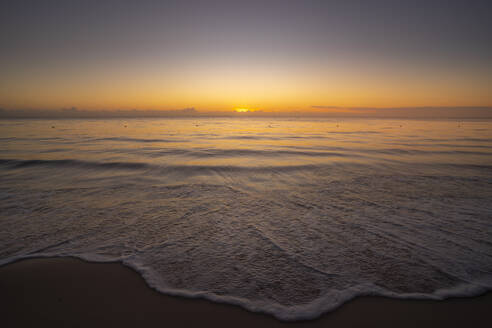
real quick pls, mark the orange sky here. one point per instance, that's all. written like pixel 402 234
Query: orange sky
pixel 225 88
pixel 274 56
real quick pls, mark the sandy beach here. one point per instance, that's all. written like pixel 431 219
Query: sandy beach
pixel 68 292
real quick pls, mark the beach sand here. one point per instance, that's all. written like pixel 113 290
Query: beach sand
pixel 67 292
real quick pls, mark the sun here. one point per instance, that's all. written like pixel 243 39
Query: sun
pixel 242 110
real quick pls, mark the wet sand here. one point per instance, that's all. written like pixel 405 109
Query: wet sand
pixel 67 292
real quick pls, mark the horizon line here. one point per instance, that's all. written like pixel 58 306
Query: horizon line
pixel 470 112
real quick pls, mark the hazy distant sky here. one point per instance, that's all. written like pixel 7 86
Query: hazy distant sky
pixel 220 55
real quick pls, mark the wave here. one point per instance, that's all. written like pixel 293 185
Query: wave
pixel 268 137
pixel 211 137
pixel 400 151
pixel 73 163
pixel 15 163
pixel 445 145
pixel 457 139
pixel 126 139
pixel 200 153
pixel 321 152
pixel 354 132
pixel 326 303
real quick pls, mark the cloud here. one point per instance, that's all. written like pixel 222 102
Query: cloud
pixel 326 107
pixel 407 112
pixel 73 112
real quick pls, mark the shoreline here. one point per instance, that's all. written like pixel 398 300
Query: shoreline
pixel 67 291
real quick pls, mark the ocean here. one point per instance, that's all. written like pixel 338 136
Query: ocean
pixel 289 217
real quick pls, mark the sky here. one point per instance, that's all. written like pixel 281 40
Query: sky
pixel 257 55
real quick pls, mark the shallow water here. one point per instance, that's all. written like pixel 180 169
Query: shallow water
pixel 289 217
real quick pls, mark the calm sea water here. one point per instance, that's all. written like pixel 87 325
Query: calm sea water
pixel 288 217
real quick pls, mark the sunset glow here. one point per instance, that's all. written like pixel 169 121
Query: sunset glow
pixel 277 56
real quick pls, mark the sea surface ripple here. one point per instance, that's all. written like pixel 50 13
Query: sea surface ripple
pixel 290 217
